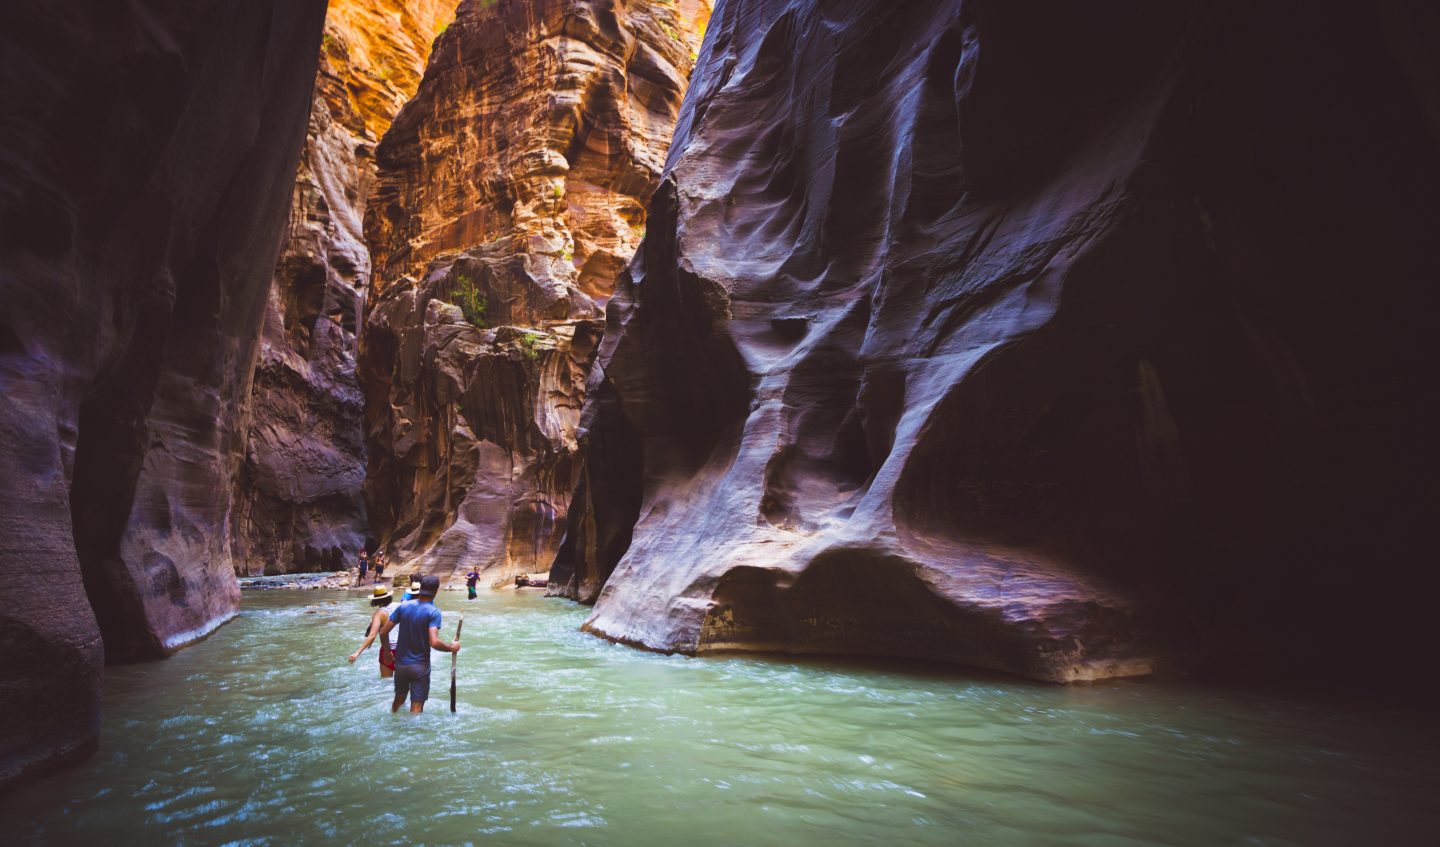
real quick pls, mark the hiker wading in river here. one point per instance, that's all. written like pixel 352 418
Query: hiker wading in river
pixel 380 598
pixel 418 621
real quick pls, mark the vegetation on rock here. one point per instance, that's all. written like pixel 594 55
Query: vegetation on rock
pixel 472 303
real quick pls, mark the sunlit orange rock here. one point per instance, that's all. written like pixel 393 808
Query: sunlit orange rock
pixel 518 177
pixel 299 503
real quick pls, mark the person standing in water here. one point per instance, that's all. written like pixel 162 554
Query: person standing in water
pixel 470 580
pixel 419 623
pixel 379 564
pixel 379 599
pixel 364 566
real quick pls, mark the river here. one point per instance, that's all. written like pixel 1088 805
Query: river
pixel 263 734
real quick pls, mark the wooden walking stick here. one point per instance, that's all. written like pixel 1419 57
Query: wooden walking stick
pixel 455 661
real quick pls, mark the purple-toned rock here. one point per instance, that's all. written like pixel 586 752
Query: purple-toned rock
pixel 1027 336
pixel 146 154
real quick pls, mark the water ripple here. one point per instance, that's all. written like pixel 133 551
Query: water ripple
pixel 265 735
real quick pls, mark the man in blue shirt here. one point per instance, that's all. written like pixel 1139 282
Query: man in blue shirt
pixel 419 623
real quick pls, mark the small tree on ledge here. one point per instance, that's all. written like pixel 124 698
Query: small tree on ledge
pixel 472 304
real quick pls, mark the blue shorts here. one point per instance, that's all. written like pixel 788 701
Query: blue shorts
pixel 414 680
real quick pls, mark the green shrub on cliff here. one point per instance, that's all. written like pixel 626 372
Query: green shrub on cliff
pixel 472 304
pixel 527 346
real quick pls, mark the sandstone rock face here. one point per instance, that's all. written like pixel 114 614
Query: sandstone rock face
pixel 1027 337
pixel 299 500
pixel 514 185
pixel 485 447
pixel 145 156
pixel 373 58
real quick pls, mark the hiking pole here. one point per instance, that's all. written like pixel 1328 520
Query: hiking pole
pixel 455 661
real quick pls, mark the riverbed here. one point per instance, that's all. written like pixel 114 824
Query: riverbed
pixel 263 734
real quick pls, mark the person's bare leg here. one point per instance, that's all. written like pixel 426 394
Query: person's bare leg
pixel 395 706
pixel 416 707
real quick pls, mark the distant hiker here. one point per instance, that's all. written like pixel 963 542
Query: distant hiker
pixel 419 625
pixel 379 599
pixel 379 562
pixel 413 592
pixel 364 567
pixel 470 580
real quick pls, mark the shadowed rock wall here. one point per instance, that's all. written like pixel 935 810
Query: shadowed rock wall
pixel 1040 337
pixel 299 503
pixel 513 184
pixel 146 153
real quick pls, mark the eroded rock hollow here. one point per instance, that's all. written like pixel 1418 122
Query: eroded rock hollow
pixel 146 153
pixel 1050 338
pixel 511 193
pixel 299 500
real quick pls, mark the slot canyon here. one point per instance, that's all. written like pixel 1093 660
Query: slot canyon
pixel 1064 363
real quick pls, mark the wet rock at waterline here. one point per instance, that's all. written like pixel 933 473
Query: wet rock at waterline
pixel 299 500
pixel 511 192
pixel 1034 339
pixel 146 155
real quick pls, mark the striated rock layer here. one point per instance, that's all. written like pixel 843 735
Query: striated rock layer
pixel 513 185
pixel 999 333
pixel 299 500
pixel 146 153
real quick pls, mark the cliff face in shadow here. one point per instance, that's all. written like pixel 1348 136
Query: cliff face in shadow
pixel 145 157
pixel 1050 340
pixel 299 501
pixel 510 194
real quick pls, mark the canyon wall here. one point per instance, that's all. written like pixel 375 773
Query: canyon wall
pixel 146 153
pixel 1049 338
pixel 511 193
pixel 299 504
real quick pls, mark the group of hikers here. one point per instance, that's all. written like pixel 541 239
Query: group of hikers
pixel 367 562
pixel 416 620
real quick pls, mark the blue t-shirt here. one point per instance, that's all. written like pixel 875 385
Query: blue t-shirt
pixel 413 620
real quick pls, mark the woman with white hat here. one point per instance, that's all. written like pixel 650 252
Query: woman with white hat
pixel 380 598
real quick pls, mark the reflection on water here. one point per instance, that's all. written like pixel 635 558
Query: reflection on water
pixel 264 735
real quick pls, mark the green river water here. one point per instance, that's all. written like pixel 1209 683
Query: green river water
pixel 263 734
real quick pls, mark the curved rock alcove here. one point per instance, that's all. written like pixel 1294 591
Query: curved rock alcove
pixel 1025 337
